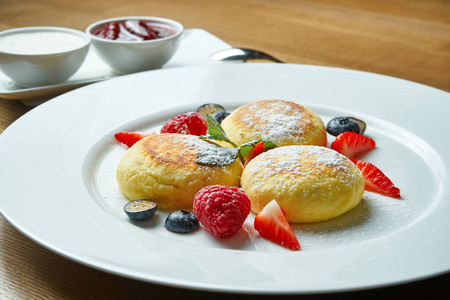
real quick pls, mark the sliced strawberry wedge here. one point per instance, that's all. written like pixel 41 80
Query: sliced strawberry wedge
pixel 376 181
pixel 254 152
pixel 353 160
pixel 352 144
pixel 129 138
pixel 273 225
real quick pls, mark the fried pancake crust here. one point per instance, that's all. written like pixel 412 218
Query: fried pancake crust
pixel 310 183
pixel 163 167
pixel 282 122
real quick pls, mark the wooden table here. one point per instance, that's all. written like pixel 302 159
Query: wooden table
pixel 405 39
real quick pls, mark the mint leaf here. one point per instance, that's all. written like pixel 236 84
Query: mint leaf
pixel 217 156
pixel 269 145
pixel 224 155
pixel 216 132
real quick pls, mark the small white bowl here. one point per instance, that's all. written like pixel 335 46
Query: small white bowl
pixel 42 55
pixel 126 57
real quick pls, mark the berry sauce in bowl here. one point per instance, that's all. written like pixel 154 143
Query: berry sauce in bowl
pixel 135 44
pixel 134 30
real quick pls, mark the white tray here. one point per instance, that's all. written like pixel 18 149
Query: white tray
pixel 195 47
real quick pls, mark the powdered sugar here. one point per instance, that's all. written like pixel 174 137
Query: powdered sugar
pixel 278 121
pixel 289 159
pixel 208 153
pixel 190 142
pixel 218 156
pixel 183 148
pixel 195 143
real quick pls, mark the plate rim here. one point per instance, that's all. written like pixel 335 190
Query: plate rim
pixel 83 261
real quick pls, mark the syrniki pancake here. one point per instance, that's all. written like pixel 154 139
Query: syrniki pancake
pixel 282 122
pixel 310 183
pixel 163 167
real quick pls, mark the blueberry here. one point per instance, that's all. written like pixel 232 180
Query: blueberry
pixel 220 115
pixel 182 222
pixel 339 125
pixel 140 210
pixel 209 109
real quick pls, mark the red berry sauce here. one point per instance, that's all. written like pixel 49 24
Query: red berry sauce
pixel 134 30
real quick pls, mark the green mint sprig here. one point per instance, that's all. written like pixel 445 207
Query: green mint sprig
pixel 216 133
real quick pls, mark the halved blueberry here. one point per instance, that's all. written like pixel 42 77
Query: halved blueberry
pixel 209 109
pixel 140 210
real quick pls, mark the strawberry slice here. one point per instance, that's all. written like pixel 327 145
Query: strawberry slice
pixel 376 181
pixel 254 152
pixel 352 144
pixel 353 160
pixel 129 138
pixel 273 225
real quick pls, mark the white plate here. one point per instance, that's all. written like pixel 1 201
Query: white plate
pixel 195 47
pixel 58 187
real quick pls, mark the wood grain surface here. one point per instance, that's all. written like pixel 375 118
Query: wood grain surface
pixel 404 39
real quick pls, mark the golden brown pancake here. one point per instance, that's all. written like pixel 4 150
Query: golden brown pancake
pixel 163 167
pixel 282 122
pixel 310 183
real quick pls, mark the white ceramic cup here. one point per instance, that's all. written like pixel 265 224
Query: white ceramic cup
pixel 126 57
pixel 42 55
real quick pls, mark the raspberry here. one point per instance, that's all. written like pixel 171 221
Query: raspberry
pixel 186 123
pixel 222 209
